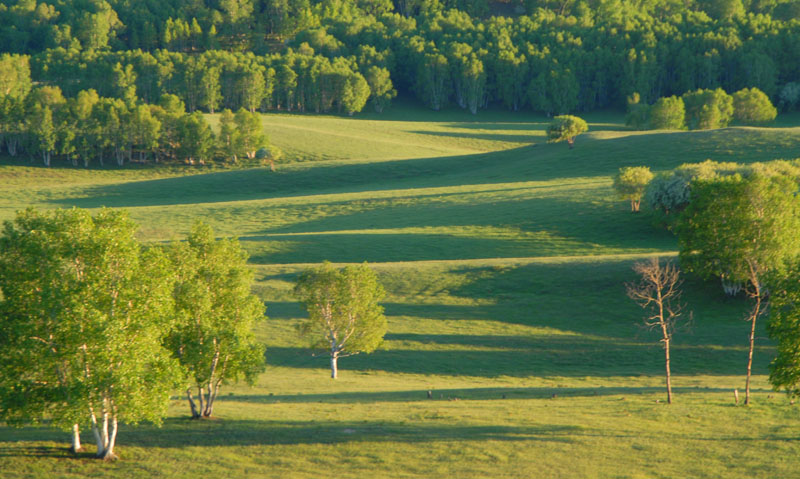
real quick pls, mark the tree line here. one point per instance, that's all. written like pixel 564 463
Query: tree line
pixel 91 129
pixel 321 56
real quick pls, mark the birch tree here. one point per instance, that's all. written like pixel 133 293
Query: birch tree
pixel 742 231
pixel 344 317
pixel 658 292
pixel 215 311
pixel 84 312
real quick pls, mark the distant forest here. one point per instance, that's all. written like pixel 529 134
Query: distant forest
pixel 336 55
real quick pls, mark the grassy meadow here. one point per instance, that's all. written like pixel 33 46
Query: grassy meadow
pixel 504 259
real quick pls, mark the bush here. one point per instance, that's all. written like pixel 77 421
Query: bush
pixel 752 107
pixel 708 109
pixel 667 114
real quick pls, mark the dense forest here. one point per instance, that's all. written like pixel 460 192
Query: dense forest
pixel 549 56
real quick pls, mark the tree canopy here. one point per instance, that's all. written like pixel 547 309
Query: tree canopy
pixel 344 314
pixel 566 128
pixel 84 312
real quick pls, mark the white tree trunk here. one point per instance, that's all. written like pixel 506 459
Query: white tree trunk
pixel 76 439
pixel 111 440
pixel 334 365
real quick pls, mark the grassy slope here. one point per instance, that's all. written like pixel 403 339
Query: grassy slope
pixel 504 258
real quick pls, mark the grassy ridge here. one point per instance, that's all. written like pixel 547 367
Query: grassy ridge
pixel 504 258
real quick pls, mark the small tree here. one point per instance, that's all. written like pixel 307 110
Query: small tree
pixel 667 114
pixel 741 230
pixel 344 317
pixel 215 311
pixel 752 107
pixel 566 128
pixel 630 184
pixel 659 292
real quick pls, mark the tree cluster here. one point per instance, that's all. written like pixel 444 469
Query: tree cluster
pixel 96 329
pixel 89 129
pixel 702 110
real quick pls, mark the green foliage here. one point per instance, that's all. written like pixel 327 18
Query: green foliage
pixel 344 317
pixel 250 133
pixel 215 312
pixel 752 107
pixel 15 76
pixel 708 109
pixel 630 184
pixel 667 193
pixel 784 329
pixel 84 313
pixel 566 128
pixel 381 89
pixel 667 114
pixel 735 227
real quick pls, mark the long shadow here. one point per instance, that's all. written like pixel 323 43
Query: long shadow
pixel 525 163
pixel 544 356
pixel 525 125
pixel 183 433
pixel 531 138
pixel 468 394
pixel 543 226
pixel 261 183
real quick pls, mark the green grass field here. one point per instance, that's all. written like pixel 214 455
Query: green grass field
pixel 504 258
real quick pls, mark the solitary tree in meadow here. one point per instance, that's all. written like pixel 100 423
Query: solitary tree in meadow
pixel 630 184
pixel 566 128
pixel 658 291
pixel 741 230
pixel 344 317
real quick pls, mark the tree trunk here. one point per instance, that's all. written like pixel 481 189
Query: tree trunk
pixel 754 280
pixel 200 397
pixel 669 378
pixel 756 312
pixel 111 440
pixel 571 142
pixel 334 364
pixel 96 431
pixel 192 405
pixel 76 440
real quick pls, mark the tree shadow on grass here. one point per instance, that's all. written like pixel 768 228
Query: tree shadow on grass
pixel 505 137
pixel 181 433
pixel 542 356
pixel 468 394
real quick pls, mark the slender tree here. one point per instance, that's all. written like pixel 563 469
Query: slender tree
pixel 658 291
